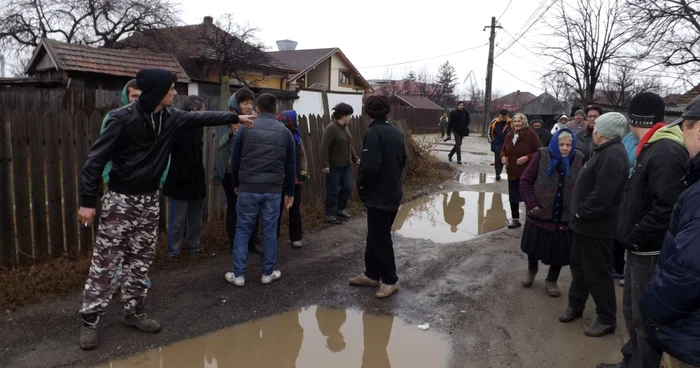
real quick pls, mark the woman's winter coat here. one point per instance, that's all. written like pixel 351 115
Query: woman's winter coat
pixel 527 145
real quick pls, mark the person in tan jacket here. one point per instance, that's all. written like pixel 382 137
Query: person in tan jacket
pixel 289 119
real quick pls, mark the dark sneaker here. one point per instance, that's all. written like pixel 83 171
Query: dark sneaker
pixel 599 330
pixel 195 252
pixel 570 315
pixel 142 323
pixel 514 224
pixel 529 278
pixel 88 332
pixel 459 162
pixel 607 365
pixel 344 215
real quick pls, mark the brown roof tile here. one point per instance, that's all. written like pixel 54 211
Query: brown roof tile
pixel 187 44
pixel 419 102
pixel 301 60
pixel 81 58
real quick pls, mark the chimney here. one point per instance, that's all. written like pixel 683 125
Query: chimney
pixel 286 45
pixel 208 20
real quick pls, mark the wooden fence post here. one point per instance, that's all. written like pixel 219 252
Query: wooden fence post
pixel 69 180
pixel 8 251
pixel 53 182
pixel 20 156
pixel 36 130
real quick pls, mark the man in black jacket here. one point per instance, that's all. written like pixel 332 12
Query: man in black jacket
pixel 186 185
pixel 652 191
pixel 596 201
pixel 137 138
pixel 459 124
pixel 380 188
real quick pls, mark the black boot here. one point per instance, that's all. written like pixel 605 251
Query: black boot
pixel 514 224
pixel 570 315
pixel 88 331
pixel 599 330
pixel 449 157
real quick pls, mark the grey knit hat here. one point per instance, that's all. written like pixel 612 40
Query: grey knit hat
pixel 580 112
pixel 612 125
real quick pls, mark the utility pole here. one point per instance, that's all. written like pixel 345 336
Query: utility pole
pixel 489 75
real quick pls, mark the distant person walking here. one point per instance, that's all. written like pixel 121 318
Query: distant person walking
pixel 596 204
pixel 337 157
pixel 498 130
pixel 443 125
pixel 379 182
pixel 459 125
pixel 520 146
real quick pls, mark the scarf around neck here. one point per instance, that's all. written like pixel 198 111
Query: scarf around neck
pixel 554 151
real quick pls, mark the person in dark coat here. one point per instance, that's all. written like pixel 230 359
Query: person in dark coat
pixel 185 185
pixel 498 129
pixel 544 135
pixel 289 119
pixel 379 183
pixel 453 210
pixel 596 204
pixel 671 302
pixel 652 190
pixel 546 187
pixel 459 124
pixel 520 146
pixel 584 137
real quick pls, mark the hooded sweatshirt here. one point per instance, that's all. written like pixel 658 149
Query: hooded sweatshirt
pixel 108 167
pixel 652 190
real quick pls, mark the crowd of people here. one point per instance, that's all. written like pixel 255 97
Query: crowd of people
pixel 260 164
pixel 614 196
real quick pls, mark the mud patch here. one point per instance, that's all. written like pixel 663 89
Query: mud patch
pixel 452 217
pixel 310 337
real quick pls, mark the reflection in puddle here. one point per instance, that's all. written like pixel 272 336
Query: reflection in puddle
pixel 311 337
pixel 452 217
pixel 476 178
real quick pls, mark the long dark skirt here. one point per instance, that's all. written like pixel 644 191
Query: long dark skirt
pixel 550 247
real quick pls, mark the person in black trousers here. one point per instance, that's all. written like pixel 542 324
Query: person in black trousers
pixel 379 182
pixel 596 203
pixel 289 119
pixel 459 124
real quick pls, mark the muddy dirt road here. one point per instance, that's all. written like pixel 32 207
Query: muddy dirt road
pixel 465 283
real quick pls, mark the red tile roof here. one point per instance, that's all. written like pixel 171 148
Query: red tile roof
pixel 189 44
pixel 419 102
pixel 301 60
pixel 126 63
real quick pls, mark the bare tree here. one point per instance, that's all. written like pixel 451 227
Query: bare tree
pixel 671 34
pixel 23 23
pixel 588 35
pixel 623 82
pixel 235 47
pixel 558 85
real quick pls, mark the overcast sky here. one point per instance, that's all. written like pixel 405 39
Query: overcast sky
pixel 380 32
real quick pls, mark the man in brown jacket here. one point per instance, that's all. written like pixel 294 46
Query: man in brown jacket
pixel 337 156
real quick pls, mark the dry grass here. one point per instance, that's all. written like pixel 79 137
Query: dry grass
pixel 58 277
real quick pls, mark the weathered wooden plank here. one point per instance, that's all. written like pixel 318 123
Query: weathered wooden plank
pixel 8 251
pixel 82 147
pixel 69 180
pixel 20 166
pixel 53 185
pixel 37 137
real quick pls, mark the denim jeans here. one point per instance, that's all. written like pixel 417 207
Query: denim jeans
pixel 250 206
pixel 338 189
pixel 637 351
pixel 189 214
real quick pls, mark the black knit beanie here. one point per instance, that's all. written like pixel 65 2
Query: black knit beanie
pixel 377 107
pixel 645 110
pixel 154 85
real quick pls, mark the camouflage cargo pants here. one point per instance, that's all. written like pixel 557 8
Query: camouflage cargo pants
pixel 127 234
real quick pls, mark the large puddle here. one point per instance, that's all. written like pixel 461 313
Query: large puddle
pixel 476 178
pixel 310 337
pixel 452 217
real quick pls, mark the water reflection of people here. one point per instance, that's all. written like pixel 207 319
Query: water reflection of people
pixel 454 210
pixel 376 331
pixel 329 323
pixel 496 217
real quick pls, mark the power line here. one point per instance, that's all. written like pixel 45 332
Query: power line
pixel 506 9
pixel 428 58
pixel 512 75
pixel 517 39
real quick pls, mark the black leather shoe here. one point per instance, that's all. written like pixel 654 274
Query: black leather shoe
pixel 599 330
pixel 449 158
pixel 607 365
pixel 570 315
pixel 514 224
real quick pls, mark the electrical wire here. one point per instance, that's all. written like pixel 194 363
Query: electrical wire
pixel 428 58
pixel 506 9
pixel 513 75
pixel 517 39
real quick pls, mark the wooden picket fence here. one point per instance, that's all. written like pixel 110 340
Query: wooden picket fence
pixel 41 159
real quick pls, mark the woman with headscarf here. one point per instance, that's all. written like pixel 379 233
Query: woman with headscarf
pixel 289 119
pixel 520 146
pixel 546 187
